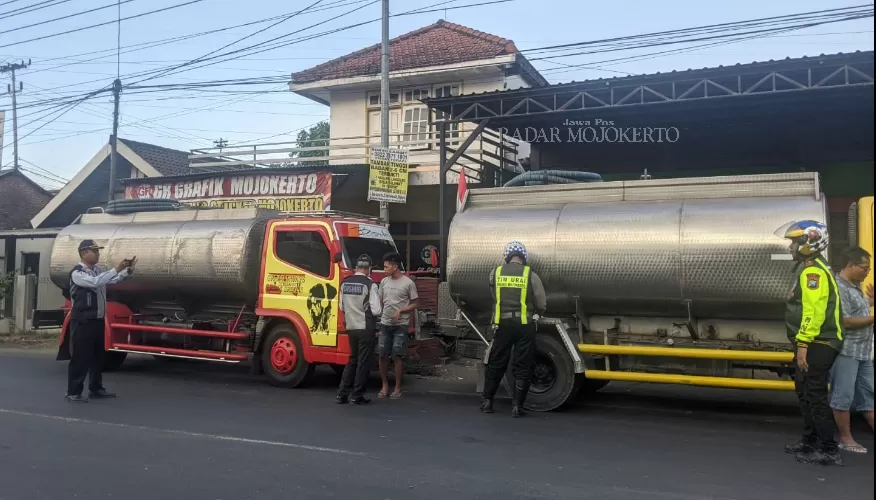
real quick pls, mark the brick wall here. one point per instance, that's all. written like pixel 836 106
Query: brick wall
pixel 20 200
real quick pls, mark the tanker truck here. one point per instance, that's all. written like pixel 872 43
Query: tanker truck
pixel 227 285
pixel 664 281
pixel 678 281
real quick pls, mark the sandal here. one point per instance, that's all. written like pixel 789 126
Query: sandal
pixel 853 448
pixel 395 395
pixel 382 395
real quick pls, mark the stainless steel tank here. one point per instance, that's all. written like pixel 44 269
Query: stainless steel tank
pixel 640 248
pixel 191 256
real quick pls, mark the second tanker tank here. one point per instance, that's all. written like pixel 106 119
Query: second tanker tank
pixel 648 248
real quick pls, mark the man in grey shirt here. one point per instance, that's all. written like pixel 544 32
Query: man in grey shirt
pixel 398 296
pixel 852 373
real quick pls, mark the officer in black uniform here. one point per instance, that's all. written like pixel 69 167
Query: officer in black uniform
pixel 814 323
pixel 518 300
pixel 361 304
pixel 84 343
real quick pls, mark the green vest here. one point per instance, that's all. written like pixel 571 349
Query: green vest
pixel 512 293
pixel 814 313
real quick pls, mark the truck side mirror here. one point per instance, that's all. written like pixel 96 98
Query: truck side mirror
pixel 338 258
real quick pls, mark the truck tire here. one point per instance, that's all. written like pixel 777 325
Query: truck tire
pixel 113 360
pixel 283 358
pixel 554 381
pixel 590 387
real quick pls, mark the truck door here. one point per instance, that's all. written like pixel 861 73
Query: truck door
pixel 300 276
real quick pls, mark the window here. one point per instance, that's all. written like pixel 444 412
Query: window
pixel 452 128
pixel 305 250
pixel 374 98
pixel 414 95
pixel 416 126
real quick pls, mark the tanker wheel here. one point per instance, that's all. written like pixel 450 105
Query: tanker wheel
pixel 283 358
pixel 554 381
pixel 112 360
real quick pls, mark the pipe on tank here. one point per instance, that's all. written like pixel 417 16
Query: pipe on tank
pixel 553 177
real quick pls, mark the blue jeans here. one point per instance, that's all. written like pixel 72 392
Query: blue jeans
pixel 393 340
pixel 851 384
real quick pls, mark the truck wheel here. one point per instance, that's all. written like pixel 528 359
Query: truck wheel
pixel 283 358
pixel 112 360
pixel 554 381
pixel 590 387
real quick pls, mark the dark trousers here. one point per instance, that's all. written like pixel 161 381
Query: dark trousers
pixel 86 355
pixel 355 377
pixel 811 386
pixel 511 338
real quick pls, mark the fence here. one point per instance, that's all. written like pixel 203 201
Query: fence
pixel 489 150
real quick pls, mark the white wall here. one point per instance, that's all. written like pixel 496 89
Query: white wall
pixel 43 246
pixel 351 116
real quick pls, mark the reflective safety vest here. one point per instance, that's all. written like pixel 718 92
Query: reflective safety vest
pixel 511 287
pixel 814 311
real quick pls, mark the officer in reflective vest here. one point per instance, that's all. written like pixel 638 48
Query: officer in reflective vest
pixel 518 300
pixel 814 322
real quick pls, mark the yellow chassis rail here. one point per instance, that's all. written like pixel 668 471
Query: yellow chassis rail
pixel 681 352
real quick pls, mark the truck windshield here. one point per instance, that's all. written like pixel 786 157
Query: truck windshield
pixel 359 238
pixel 375 248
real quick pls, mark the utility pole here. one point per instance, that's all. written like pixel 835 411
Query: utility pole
pixel 384 96
pixel 117 90
pixel 221 143
pixel 11 68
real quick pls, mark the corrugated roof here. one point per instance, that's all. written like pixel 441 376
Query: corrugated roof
pixel 775 64
pixel 434 45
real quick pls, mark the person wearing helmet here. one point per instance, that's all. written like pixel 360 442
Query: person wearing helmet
pixel 814 324
pixel 361 305
pixel 518 299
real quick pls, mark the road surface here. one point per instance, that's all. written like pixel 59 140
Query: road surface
pixel 191 431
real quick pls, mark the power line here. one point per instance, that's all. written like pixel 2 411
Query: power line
pixel 30 8
pixel 119 2
pixel 142 14
pixel 193 61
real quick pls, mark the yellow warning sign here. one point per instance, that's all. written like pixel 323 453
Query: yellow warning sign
pixel 388 175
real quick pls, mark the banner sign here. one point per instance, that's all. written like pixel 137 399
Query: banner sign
pixel 286 192
pixel 388 175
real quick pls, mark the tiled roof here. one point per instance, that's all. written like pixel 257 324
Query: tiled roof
pixel 170 162
pixel 434 45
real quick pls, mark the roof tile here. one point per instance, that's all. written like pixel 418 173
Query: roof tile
pixel 434 45
pixel 171 162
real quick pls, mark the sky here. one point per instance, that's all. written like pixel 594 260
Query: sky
pixel 54 146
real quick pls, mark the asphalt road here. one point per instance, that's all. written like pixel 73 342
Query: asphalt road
pixel 193 432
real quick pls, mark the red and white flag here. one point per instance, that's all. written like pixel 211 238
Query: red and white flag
pixel 462 189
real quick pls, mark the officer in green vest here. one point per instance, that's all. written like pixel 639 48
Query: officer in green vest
pixel 814 324
pixel 518 300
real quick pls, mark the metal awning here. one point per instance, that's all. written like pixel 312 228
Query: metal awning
pixel 851 75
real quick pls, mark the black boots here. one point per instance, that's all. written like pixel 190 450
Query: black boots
pixel 521 389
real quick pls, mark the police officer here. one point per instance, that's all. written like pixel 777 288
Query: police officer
pixel 518 299
pixel 361 305
pixel 84 344
pixel 814 323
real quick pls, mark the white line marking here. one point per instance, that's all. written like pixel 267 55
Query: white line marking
pixel 216 437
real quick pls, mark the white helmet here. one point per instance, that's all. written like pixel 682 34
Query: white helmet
pixel 515 248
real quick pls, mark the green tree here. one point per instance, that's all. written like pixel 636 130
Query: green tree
pixel 317 135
